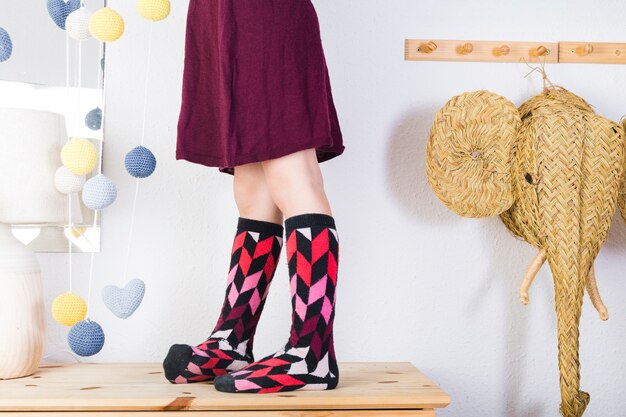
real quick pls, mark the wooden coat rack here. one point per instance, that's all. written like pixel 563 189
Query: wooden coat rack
pixel 502 51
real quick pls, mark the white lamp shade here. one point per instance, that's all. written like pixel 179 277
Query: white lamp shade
pixel 30 143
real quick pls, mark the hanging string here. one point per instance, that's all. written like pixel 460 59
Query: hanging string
pixel 145 90
pixel 95 215
pixel 143 137
pixel 541 70
pixel 131 228
pixel 68 124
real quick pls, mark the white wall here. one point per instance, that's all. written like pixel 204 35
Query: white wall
pixel 418 283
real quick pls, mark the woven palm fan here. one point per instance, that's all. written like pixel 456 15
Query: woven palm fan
pixel 552 171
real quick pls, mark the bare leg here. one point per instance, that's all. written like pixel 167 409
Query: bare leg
pixel 252 194
pixel 296 184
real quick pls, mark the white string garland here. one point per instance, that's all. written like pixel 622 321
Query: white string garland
pixel 143 136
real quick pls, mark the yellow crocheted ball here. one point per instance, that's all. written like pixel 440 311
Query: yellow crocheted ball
pixel 79 156
pixel 69 309
pixel 154 9
pixel 106 25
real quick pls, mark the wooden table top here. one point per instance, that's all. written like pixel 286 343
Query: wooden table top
pixel 142 387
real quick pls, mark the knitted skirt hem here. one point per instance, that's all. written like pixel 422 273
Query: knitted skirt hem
pixel 324 153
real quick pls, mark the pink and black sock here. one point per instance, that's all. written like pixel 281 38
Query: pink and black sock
pixel 308 360
pixel 255 253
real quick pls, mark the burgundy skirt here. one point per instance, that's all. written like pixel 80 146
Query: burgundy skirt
pixel 255 84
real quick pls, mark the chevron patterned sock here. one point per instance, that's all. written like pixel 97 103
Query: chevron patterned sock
pixel 255 253
pixel 308 360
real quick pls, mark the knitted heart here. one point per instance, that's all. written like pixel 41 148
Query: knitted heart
pixel 124 301
pixel 60 9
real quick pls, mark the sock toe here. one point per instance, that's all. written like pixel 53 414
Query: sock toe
pixel 176 361
pixel 225 383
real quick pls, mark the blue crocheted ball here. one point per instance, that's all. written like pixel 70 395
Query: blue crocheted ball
pixel 93 119
pixel 99 192
pixel 60 9
pixel 86 338
pixel 6 45
pixel 140 162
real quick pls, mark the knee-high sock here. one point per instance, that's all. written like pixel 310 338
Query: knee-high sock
pixel 255 253
pixel 308 359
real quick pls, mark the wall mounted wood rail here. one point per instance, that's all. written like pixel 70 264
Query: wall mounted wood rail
pixel 505 51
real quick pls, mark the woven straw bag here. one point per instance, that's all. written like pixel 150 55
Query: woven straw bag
pixel 552 170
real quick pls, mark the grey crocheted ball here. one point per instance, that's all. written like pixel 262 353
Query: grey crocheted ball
pixel 86 338
pixel 99 192
pixel 93 119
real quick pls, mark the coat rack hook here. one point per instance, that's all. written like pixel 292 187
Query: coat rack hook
pixel 539 51
pixel 427 47
pixel 466 48
pixel 501 50
pixel 584 50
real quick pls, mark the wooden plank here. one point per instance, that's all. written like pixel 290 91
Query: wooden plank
pixel 142 387
pixel 310 413
pixel 592 53
pixel 480 51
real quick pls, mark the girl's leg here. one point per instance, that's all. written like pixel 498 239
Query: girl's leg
pixel 308 359
pixel 254 256
pixel 252 194
pixel 296 184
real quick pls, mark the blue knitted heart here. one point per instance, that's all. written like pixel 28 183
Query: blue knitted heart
pixel 60 9
pixel 124 301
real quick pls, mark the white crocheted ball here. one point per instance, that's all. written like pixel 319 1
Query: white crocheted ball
pixel 77 24
pixel 68 183
pixel 99 192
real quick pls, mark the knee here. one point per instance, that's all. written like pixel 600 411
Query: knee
pixel 285 188
pixel 249 191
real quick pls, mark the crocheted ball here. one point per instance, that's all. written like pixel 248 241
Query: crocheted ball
pixel 99 192
pixel 86 338
pixel 106 25
pixel 154 9
pixel 93 119
pixel 79 156
pixel 140 162
pixel 68 309
pixel 77 24
pixel 60 9
pixel 124 301
pixel 68 183
pixel 6 45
